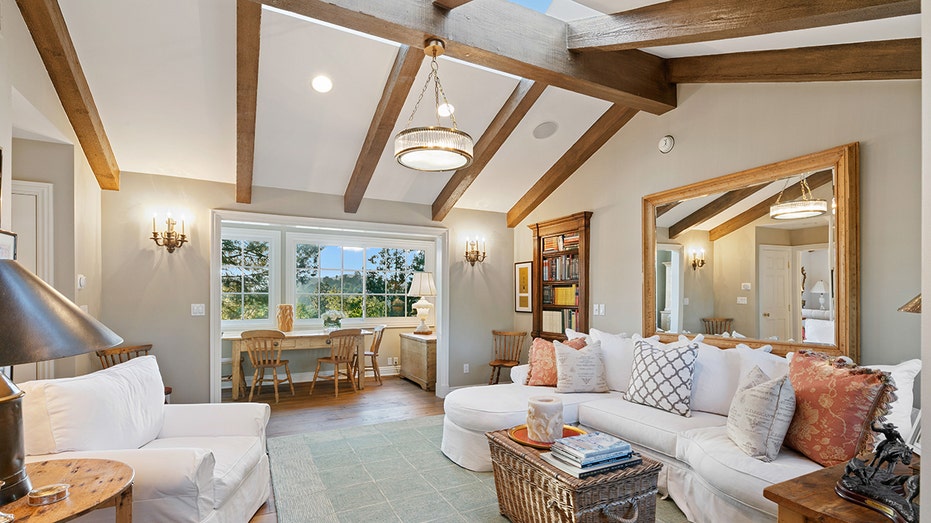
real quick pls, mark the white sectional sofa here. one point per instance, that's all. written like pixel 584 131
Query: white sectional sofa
pixel 704 472
pixel 203 463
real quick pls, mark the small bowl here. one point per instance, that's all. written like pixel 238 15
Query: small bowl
pixel 48 494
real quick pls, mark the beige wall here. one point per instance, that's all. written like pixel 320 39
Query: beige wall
pixel 924 320
pixel 147 292
pixel 721 129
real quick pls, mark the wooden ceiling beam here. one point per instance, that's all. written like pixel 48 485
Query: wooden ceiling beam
pixel 449 4
pixel 690 21
pixel 666 207
pixel 583 149
pixel 400 80
pixel 483 33
pixel 716 207
pixel 762 209
pixel 883 60
pixel 53 41
pixel 248 31
pixel 518 104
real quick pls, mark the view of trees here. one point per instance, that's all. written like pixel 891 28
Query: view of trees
pixel 244 274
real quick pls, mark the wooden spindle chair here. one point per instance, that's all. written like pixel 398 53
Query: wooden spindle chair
pixel 372 354
pixel 344 345
pixel 264 348
pixel 508 346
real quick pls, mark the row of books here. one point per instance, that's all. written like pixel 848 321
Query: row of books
pixel 562 242
pixel 567 295
pixel 559 321
pixel 589 454
pixel 560 268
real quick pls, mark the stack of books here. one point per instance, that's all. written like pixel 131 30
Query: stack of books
pixel 590 454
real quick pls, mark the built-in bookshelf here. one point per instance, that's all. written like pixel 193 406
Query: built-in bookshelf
pixel 560 275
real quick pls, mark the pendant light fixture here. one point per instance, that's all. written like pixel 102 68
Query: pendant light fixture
pixel 806 207
pixel 433 148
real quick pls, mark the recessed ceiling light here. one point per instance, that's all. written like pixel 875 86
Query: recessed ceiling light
pixel 445 110
pixel 545 130
pixel 322 84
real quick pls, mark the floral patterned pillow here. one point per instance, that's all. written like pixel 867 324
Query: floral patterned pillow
pixel 836 402
pixel 543 361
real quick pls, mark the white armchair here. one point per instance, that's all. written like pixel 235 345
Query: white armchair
pixel 193 463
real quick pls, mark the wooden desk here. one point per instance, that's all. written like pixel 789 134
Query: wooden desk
pixel 294 340
pixel 811 498
pixel 95 483
pixel 418 359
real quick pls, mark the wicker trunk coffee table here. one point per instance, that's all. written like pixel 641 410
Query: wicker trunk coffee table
pixel 531 490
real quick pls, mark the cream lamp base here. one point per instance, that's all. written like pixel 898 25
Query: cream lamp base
pixel 423 312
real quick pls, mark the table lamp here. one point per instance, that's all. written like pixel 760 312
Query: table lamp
pixel 819 288
pixel 37 323
pixel 422 286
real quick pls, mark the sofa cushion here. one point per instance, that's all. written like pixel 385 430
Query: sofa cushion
pixel 542 361
pixel 774 366
pixel 618 350
pixel 900 410
pixel 715 378
pixel 836 403
pixel 715 458
pixel 235 457
pixel 580 370
pixel 662 377
pixel 641 425
pixel 760 415
pixel 115 408
pixel 496 407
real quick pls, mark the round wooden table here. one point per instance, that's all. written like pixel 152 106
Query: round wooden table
pixel 95 483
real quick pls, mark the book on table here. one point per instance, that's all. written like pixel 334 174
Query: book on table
pixel 591 460
pixel 586 472
pixel 585 446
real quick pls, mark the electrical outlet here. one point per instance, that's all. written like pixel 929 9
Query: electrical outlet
pixel 745 286
pixel 465 368
pixel 741 300
pixel 197 309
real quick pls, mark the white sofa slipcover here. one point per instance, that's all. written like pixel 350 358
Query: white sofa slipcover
pixel 193 463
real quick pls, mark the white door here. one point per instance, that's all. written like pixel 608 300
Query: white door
pixel 32 223
pixel 775 284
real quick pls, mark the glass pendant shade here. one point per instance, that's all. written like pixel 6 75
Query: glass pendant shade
pixel 433 148
pixel 798 209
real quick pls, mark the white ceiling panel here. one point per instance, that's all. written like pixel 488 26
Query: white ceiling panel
pixel 477 94
pixel 523 159
pixel 163 76
pixel 305 140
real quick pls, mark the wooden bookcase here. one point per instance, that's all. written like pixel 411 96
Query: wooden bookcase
pixel 560 275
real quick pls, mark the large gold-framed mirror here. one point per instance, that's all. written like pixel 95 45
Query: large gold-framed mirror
pixel 715 261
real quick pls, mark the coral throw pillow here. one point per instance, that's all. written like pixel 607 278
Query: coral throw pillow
pixel 836 402
pixel 543 361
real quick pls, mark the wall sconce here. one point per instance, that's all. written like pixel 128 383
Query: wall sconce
pixel 472 253
pixel 170 239
pixel 697 259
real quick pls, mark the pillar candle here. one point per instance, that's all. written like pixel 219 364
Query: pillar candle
pixel 544 418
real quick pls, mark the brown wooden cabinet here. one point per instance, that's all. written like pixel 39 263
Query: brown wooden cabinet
pixel 418 359
pixel 560 275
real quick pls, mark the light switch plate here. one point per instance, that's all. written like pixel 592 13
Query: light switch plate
pixel 197 309
pixel 685 301
pixel 745 286
pixel 741 300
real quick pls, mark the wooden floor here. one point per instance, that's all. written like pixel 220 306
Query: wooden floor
pixel 397 399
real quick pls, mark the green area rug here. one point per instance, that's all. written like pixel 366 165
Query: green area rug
pixel 387 472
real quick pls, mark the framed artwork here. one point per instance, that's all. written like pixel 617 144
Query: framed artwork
pixel 7 245
pixel 523 287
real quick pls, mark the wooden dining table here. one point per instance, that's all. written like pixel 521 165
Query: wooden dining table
pixel 294 340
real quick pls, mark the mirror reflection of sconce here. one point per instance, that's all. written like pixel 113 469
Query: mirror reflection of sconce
pixel 697 259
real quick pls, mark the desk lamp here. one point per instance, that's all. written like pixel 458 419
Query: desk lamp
pixel 37 323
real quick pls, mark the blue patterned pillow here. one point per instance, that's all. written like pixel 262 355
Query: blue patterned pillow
pixel 662 377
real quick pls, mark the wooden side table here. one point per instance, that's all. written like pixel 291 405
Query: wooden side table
pixel 95 483
pixel 418 359
pixel 811 498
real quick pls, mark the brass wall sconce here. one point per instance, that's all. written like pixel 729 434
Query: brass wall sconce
pixel 472 254
pixel 170 239
pixel 697 259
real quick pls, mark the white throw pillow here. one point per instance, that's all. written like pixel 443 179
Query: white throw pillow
pixel 580 370
pixel 117 408
pixel 618 351
pixel 900 411
pixel 572 334
pixel 662 377
pixel 760 415
pixel 771 364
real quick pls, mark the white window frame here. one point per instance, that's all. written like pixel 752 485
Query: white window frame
pixel 273 238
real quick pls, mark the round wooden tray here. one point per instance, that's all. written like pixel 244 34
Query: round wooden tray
pixel 519 434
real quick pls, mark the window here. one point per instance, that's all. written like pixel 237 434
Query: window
pixel 365 278
pixel 248 276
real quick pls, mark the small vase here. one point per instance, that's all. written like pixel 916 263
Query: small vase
pixel 331 324
pixel 285 318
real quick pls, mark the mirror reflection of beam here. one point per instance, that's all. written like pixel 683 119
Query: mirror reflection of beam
pixel 664 208
pixel 711 210
pixel 762 209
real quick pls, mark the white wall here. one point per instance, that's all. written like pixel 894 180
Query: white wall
pixel 720 129
pixel 925 318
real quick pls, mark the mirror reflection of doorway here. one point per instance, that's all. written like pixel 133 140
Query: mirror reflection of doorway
pixel 776 302
pixel 669 287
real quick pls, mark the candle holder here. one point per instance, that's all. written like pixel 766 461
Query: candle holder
pixel 472 254
pixel 170 239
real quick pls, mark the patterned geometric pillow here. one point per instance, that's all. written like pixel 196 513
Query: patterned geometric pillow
pixel 543 361
pixel 580 370
pixel 662 378
pixel 835 404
